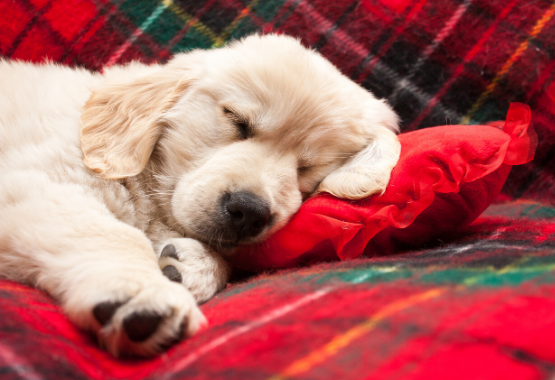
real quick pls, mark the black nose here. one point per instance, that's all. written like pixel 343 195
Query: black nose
pixel 247 214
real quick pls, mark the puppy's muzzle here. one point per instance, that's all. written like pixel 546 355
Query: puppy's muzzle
pixel 245 214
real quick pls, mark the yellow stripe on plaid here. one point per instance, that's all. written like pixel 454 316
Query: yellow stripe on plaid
pixel 203 29
pixel 343 340
pixel 507 66
pixel 510 270
pixel 193 22
pixel 227 31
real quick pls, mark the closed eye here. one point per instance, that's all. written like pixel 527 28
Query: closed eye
pixel 241 124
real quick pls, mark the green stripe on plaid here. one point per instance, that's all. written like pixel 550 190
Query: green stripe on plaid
pixel 139 11
pixel 267 10
pixel 518 272
pixel 166 27
pixel 193 39
pixel 314 322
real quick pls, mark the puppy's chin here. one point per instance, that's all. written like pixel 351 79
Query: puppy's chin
pixel 225 244
pixel 224 248
pixel 227 247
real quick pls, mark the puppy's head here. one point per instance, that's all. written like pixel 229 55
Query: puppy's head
pixel 238 136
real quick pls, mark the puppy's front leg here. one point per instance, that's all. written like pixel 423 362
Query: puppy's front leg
pixel 195 265
pixel 367 172
pixel 104 272
pixel 189 262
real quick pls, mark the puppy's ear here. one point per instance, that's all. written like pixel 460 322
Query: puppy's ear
pixel 368 171
pixel 120 123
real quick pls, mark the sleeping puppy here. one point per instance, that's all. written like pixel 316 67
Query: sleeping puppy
pixel 105 179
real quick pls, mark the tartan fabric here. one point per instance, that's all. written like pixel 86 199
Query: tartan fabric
pixel 479 304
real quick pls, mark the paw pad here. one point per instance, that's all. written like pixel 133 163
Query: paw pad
pixel 172 273
pixel 139 326
pixel 104 311
pixel 169 251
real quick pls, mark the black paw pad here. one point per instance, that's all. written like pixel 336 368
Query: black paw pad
pixel 139 326
pixel 169 251
pixel 104 311
pixel 172 273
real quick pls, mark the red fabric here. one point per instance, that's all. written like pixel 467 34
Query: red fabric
pixel 433 61
pixel 445 178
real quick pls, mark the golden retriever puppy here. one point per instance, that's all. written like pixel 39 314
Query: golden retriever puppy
pixel 105 179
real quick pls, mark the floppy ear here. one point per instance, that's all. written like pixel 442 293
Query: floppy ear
pixel 368 171
pixel 120 123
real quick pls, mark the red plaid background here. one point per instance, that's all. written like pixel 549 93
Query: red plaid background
pixel 479 305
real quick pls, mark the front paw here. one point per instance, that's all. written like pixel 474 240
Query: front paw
pixel 195 265
pixel 145 322
pixel 150 321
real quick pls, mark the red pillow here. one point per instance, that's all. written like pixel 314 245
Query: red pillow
pixel 445 178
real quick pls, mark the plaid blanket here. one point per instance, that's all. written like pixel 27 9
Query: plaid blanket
pixel 477 305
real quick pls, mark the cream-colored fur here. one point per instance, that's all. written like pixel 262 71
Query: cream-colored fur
pixel 100 174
